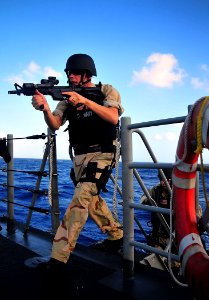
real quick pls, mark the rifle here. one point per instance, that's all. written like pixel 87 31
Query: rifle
pixel 49 87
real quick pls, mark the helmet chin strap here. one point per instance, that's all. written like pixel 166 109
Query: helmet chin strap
pixel 83 82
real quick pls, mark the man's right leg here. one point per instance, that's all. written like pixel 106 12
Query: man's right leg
pixel 68 232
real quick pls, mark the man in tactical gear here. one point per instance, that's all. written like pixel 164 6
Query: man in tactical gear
pixel 93 126
pixel 160 194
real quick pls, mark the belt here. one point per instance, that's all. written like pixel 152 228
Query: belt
pixel 91 149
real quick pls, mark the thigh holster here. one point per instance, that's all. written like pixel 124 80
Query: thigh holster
pixel 90 176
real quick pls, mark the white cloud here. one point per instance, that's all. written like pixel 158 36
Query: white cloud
pixel 201 83
pixel 168 136
pixel 48 71
pixel 197 83
pixel 32 68
pixel 30 74
pixel 15 79
pixel 161 70
pixel 179 125
pixel 204 67
pixel 158 137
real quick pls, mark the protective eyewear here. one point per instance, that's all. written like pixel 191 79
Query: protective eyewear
pixel 74 72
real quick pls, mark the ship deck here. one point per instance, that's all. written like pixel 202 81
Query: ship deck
pixel 91 274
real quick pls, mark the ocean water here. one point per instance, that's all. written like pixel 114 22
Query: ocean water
pixel 24 184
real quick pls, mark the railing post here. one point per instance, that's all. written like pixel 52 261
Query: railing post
pixel 10 189
pixel 53 184
pixel 128 197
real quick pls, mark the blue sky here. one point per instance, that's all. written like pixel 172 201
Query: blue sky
pixel 154 52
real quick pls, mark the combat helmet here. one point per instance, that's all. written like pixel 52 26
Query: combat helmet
pixel 81 62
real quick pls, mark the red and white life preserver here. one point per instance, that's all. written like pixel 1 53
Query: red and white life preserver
pixel 195 261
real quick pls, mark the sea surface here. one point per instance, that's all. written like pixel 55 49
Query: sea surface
pixel 24 184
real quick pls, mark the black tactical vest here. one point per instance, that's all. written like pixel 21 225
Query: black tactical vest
pixel 86 128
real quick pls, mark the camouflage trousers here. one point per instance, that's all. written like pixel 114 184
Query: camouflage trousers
pixel 85 203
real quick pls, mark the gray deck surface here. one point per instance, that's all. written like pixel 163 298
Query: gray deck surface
pixel 91 274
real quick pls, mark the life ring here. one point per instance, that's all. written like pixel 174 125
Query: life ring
pixel 194 258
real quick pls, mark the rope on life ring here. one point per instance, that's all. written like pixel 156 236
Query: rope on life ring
pixel 194 259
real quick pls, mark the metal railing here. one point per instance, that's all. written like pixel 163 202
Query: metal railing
pixel 50 154
pixel 128 173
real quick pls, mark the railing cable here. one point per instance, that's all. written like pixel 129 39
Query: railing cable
pixel 37 173
pixel 37 209
pixel 31 137
pixel 43 192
